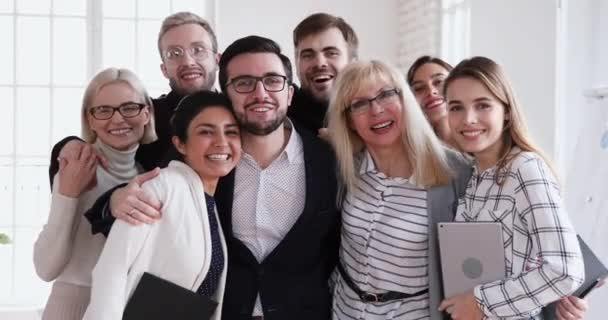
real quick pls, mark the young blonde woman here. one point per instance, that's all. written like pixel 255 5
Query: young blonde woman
pixel 398 182
pixel 187 246
pixel 116 118
pixel 513 184
pixel 426 77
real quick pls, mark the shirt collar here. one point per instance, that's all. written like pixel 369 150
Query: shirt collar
pixel 368 166
pixel 293 149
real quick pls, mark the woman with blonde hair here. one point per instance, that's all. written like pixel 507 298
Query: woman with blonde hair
pixel 514 184
pixel 398 182
pixel 116 117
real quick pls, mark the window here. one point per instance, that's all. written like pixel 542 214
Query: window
pixel 455 30
pixel 51 48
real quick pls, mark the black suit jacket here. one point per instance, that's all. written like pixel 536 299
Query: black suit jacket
pixel 293 279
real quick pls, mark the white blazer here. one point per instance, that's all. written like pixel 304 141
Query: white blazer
pixel 176 248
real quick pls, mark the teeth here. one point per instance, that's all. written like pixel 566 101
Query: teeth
pixel 218 156
pixel 190 76
pixel 382 125
pixel 260 109
pixel 472 133
pixel 321 78
pixel 119 131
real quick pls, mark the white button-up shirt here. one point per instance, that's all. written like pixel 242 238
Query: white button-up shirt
pixel 267 202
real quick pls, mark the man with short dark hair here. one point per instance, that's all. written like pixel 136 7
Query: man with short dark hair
pixel 324 45
pixel 278 207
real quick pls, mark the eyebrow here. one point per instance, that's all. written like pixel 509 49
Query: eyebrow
pixel 212 125
pixel 481 99
pixel 433 76
pixel 324 49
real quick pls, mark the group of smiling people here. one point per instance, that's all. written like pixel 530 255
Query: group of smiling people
pixel 438 144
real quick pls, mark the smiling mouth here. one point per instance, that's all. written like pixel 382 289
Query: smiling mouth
pixel 219 157
pixel 434 104
pixel 472 133
pixel 321 79
pixel 120 132
pixel 382 125
pixel 190 75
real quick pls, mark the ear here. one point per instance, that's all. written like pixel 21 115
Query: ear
pixel 181 148
pixel 218 56
pixel 163 69
pixel 146 113
pixel 91 121
pixel 290 91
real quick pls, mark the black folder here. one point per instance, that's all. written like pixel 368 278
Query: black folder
pixel 155 299
pixel 594 271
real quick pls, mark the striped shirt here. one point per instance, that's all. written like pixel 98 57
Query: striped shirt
pixel 542 255
pixel 384 246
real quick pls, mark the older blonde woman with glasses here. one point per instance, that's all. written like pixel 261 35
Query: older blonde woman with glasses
pixel 116 117
pixel 398 182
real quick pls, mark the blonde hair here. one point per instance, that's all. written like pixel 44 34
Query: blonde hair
pixel 112 76
pixel 425 153
pixel 181 18
pixel 515 131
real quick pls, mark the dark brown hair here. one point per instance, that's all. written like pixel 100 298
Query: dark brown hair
pixel 422 61
pixel 319 22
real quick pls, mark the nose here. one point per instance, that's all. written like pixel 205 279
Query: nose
pixel 320 60
pixel 220 140
pixel 375 107
pixel 117 117
pixel 187 59
pixel 470 116
pixel 259 90
pixel 431 89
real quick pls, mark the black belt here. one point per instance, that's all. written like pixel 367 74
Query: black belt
pixel 376 297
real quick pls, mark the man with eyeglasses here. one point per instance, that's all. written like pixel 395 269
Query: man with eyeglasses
pixel 324 44
pixel 279 205
pixel 189 60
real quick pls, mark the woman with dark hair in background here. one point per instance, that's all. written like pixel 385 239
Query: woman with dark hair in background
pixel 426 77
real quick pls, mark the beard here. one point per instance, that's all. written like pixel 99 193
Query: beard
pixel 261 128
pixel 207 84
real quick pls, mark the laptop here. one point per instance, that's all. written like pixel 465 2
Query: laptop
pixel 472 253
pixel 158 299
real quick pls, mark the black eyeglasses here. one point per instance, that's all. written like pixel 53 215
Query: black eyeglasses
pixel 383 99
pixel 247 84
pixel 126 110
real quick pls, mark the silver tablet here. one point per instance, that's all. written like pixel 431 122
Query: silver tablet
pixel 472 253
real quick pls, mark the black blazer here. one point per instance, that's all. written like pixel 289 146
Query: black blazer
pixel 293 279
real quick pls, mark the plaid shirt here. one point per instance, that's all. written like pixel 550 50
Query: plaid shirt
pixel 542 255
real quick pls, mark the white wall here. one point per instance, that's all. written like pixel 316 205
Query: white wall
pixel 521 36
pixel 375 22
pixel 586 120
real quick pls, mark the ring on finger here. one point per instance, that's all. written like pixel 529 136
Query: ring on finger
pixel 130 213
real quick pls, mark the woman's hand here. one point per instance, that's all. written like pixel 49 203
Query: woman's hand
pixel 77 174
pixel 462 306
